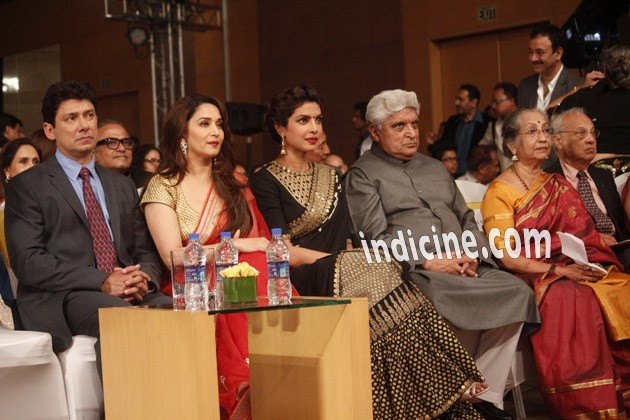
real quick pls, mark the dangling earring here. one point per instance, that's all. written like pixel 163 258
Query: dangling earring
pixel 514 157
pixel 214 161
pixel 7 178
pixel 184 146
pixel 282 151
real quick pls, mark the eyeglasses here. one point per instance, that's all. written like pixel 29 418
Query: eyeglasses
pixel 581 133
pixel 113 142
pixel 533 133
pixel 153 161
pixel 495 102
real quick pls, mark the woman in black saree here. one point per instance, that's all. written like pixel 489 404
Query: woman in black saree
pixel 419 369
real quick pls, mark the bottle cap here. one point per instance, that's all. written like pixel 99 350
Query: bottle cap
pixel 225 235
pixel 276 231
pixel 193 236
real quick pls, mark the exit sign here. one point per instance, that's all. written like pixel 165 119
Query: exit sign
pixel 486 13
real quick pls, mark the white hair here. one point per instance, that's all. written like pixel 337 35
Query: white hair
pixel 388 102
pixel 558 121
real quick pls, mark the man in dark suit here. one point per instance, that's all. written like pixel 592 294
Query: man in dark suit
pixel 463 130
pixel 574 138
pixel 77 240
pixel 551 79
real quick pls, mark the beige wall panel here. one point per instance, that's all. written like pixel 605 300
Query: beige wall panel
pixel 468 60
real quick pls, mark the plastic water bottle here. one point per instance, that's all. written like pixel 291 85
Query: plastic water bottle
pixel 196 287
pixel 278 281
pixel 225 256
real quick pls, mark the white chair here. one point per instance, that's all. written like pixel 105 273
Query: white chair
pixel 31 383
pixel 473 195
pixel 84 390
pixel 523 369
pixel 79 374
pixel 620 181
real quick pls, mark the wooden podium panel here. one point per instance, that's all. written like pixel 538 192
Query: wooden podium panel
pixel 311 363
pixel 158 364
pixel 306 363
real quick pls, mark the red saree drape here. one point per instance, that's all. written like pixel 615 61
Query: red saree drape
pixel 231 329
pixel 575 362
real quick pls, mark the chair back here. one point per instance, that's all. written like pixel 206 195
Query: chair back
pixel 473 195
pixel 620 181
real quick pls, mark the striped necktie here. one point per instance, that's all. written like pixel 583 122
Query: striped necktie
pixel 603 224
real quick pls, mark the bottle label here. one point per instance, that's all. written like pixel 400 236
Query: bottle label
pixel 278 269
pixel 195 274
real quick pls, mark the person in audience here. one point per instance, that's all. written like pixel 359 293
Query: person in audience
pixel 145 161
pixel 607 103
pixel 581 350
pixel 358 123
pixel 448 156
pixel 241 169
pixel 15 157
pixel 114 146
pixel 284 190
pixel 463 130
pixel 11 128
pixel 397 195
pixel 336 162
pixel 44 144
pixel 483 165
pixel 319 154
pixel 575 140
pixel 504 96
pixel 197 190
pixel 147 157
pixel 551 80
pixel 76 237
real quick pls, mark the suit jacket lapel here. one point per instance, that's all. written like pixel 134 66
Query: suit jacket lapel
pixel 561 87
pixel 112 204
pixel 59 180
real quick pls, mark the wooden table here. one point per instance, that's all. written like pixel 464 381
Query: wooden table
pixel 309 360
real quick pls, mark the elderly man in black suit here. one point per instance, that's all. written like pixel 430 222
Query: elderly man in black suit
pixel 575 140
pixel 76 237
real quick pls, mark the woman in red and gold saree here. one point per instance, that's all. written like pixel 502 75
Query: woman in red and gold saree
pixel 581 350
pixel 196 190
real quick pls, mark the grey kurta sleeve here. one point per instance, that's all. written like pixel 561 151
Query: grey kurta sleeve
pixel 467 221
pixel 367 213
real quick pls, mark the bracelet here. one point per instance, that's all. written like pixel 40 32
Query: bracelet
pixel 552 270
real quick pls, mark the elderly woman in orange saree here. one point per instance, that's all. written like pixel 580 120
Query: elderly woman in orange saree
pixel 581 350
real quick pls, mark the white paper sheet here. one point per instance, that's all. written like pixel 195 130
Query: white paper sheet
pixel 573 247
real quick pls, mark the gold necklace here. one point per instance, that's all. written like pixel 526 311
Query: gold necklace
pixel 519 178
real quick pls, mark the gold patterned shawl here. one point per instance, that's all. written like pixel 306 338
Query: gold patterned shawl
pixel 314 189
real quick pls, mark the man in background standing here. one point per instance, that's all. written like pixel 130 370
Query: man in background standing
pixel 465 129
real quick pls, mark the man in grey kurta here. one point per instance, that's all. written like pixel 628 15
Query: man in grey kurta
pixel 394 192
